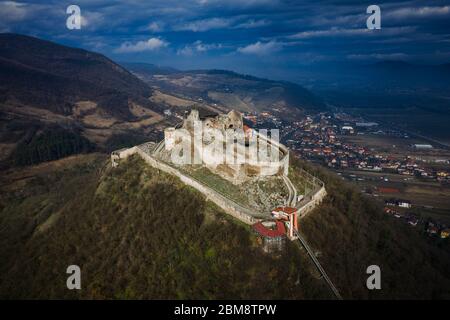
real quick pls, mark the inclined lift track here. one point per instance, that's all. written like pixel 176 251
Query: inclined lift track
pixel 289 216
pixel 292 200
pixel 318 265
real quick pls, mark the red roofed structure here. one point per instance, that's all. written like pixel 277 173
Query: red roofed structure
pixel 288 214
pixel 272 233
pixel 270 229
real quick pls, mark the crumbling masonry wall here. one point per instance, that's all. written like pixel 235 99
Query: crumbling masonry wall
pixel 227 205
pixel 230 207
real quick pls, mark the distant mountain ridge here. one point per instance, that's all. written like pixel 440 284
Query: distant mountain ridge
pixel 380 75
pixel 52 76
pixel 57 100
pixel 405 74
pixel 148 67
pixel 229 89
pixel 54 97
pixel 410 96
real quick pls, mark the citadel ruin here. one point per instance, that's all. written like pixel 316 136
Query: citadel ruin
pixel 228 182
pixel 227 147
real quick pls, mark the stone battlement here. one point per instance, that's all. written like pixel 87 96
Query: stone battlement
pixel 244 153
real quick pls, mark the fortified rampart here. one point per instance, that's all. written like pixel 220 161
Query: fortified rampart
pixel 283 164
pixel 232 208
pixel 313 200
pixel 229 206
pixel 302 208
pixel 258 154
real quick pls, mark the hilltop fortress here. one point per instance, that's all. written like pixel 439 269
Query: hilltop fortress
pixel 262 159
pixel 243 171
pixel 227 147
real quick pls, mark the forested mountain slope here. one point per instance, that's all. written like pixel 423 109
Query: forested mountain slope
pixel 351 232
pixel 135 232
pixel 139 233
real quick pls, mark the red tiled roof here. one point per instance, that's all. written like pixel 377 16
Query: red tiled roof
pixel 279 231
pixel 288 210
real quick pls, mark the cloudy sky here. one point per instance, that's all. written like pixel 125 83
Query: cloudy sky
pixel 269 38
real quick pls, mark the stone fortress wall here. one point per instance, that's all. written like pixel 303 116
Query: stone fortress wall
pixel 313 200
pixel 147 152
pixel 229 206
pixel 251 164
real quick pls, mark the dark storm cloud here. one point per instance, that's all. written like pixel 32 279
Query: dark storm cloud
pixel 244 35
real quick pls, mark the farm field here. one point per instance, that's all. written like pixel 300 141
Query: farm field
pixel 395 146
pixel 429 199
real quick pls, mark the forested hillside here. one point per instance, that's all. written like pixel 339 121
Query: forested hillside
pixel 136 233
pixel 352 232
pixel 139 233
pixel 49 144
pixel 46 75
pixel 57 100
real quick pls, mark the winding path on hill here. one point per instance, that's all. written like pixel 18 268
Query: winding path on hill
pixel 292 197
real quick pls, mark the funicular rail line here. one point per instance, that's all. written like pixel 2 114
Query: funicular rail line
pixel 318 265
